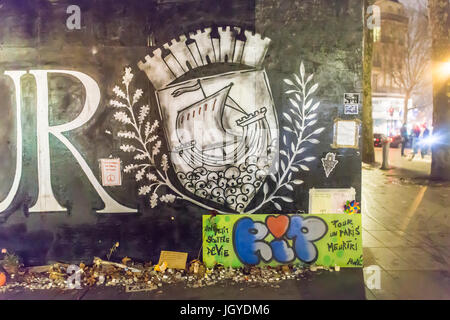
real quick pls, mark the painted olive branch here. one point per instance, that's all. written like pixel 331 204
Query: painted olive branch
pixel 157 175
pixel 301 117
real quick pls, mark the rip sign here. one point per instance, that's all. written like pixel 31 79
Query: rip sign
pixel 251 248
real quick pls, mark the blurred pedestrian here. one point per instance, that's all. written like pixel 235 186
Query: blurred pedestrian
pixel 424 146
pixel 404 135
pixel 415 140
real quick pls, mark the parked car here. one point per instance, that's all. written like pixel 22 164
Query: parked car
pixel 396 141
pixel 378 139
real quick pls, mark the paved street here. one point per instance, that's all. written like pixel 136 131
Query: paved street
pixel 405 233
pixel 406 229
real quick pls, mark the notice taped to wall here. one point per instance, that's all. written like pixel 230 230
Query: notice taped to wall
pixel 329 200
pixel 110 169
pixel 346 134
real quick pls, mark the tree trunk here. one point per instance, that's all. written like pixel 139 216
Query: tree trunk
pixel 405 107
pixel 368 152
pixel 440 25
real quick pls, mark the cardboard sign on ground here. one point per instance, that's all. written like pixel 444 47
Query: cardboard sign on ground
pixel 174 260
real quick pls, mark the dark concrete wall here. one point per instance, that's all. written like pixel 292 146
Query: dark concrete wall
pixel 325 34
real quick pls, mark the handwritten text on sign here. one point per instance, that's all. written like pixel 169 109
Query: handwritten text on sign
pixel 325 239
pixel 111 172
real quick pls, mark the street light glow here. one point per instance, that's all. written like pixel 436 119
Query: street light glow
pixel 445 69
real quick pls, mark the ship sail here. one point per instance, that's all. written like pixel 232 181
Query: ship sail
pixel 203 120
pixel 205 142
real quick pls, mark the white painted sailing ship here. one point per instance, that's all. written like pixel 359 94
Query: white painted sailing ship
pixel 204 139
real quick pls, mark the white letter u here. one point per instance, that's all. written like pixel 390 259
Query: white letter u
pixel 15 76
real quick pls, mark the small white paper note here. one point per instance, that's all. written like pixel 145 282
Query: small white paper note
pixel 111 172
pixel 329 200
pixel 346 134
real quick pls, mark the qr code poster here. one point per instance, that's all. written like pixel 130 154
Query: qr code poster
pixel 352 98
pixel 351 109
pixel 110 169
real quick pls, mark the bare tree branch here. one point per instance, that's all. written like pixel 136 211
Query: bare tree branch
pixel 409 67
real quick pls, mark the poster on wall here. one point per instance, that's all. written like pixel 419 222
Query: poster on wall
pixel 352 98
pixel 351 109
pixel 110 169
pixel 329 200
pixel 258 240
pixel 346 134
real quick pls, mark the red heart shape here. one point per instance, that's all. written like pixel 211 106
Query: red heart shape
pixel 278 225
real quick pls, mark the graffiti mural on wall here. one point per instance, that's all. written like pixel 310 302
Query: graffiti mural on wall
pixel 250 247
pixel 325 239
pixel 46 201
pixel 222 129
pixel 219 119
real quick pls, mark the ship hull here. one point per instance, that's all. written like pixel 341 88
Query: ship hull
pixel 222 156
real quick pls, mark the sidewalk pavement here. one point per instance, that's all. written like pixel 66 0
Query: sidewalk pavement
pixel 348 284
pixel 418 168
pixel 406 229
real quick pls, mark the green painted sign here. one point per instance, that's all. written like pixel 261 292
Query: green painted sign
pixel 321 239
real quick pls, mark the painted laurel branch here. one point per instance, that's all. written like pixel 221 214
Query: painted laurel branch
pixel 150 166
pixel 302 118
pixel 144 141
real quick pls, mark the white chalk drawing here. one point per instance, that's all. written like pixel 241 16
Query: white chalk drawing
pixel 221 130
pixel 329 163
